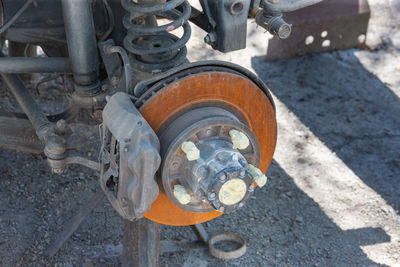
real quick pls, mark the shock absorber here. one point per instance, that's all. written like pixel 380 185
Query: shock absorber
pixel 153 47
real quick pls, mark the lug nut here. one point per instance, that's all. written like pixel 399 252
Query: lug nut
pixel 242 173
pixel 191 151
pixel 239 139
pixel 258 176
pixel 181 194
pixel 222 177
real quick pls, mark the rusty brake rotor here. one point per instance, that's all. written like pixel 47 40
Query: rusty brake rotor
pixel 233 100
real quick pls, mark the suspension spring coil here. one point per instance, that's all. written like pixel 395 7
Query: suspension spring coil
pixel 153 47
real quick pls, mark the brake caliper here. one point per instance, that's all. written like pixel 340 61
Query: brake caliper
pixel 129 158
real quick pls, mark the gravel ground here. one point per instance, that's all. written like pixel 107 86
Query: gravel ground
pixel 333 197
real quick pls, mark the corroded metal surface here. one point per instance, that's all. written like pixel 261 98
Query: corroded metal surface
pixel 238 92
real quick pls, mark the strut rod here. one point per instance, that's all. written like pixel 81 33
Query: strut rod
pixel 15 65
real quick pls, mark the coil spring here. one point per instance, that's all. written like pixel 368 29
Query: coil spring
pixel 154 47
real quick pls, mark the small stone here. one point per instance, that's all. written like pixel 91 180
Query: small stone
pixel 299 219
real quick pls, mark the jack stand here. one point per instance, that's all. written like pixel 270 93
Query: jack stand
pixel 141 243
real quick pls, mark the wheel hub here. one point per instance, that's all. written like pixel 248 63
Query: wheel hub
pixel 217 178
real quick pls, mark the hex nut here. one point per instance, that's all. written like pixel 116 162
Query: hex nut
pixel 212 196
pixel 239 139
pixel 222 177
pixel 181 194
pixel 191 151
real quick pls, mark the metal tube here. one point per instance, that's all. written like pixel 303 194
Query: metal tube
pixel 292 5
pixel 81 39
pixel 27 103
pixel 127 66
pixel 14 65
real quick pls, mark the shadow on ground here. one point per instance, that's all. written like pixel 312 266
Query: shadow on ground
pixel 348 108
pixel 284 227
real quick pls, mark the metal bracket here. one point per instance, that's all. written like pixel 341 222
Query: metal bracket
pixel 230 30
pixel 327 26
pixel 112 63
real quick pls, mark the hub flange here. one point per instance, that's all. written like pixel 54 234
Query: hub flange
pixel 218 178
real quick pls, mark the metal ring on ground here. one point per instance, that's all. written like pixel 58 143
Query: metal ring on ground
pixel 227 255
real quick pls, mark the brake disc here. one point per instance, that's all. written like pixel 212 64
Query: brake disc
pixel 201 104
